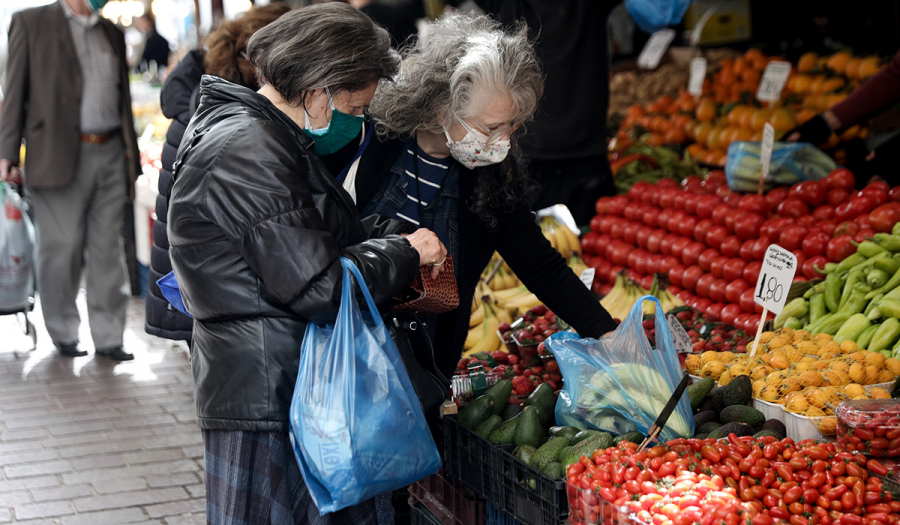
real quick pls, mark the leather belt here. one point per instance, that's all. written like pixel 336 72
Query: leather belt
pixel 97 138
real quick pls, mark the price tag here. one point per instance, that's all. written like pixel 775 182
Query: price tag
pixel 775 279
pixel 765 154
pixel 587 277
pixel 655 48
pixel 698 75
pixel 683 344
pixel 773 80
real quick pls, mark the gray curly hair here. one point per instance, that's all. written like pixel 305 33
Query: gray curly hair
pixel 448 74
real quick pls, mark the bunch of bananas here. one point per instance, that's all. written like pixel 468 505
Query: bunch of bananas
pixel 621 298
pixel 667 299
pixel 561 237
pixel 484 322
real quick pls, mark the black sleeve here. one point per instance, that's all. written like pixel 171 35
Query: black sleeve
pixel 544 271
pixel 175 96
pixel 270 216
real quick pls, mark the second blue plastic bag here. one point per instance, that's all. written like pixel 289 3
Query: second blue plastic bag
pixel 357 427
pixel 791 162
pixel 620 383
pixel 653 15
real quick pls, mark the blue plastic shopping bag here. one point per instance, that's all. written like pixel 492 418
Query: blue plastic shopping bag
pixel 653 15
pixel 168 285
pixel 620 383
pixel 357 427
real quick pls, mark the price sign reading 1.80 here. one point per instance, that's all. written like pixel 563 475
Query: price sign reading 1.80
pixel 775 279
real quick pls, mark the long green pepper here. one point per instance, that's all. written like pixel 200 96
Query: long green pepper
pixel 887 241
pixel 869 249
pixel 887 333
pixel 852 328
pixel 833 292
pixel 852 280
pixel 817 308
pixel 865 338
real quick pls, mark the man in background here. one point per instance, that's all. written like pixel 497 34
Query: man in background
pixel 66 94
pixel 156 48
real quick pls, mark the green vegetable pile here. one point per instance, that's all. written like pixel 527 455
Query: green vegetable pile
pixel 643 162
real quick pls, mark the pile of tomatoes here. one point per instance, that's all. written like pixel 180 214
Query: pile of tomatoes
pixel 711 240
pixel 740 480
pixel 870 426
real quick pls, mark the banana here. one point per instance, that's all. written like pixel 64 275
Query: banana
pixel 505 295
pixel 472 338
pixel 545 229
pixel 477 316
pixel 489 342
pixel 503 315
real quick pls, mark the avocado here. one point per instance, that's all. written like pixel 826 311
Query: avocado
pixel 510 411
pixel 700 418
pixel 701 436
pixel 699 390
pixel 544 399
pixel 505 433
pixel 604 440
pixel 736 428
pixel 525 454
pixel 528 428
pixel 763 433
pixel 488 425
pixel 554 470
pixel 633 437
pixel 707 405
pixel 739 391
pixel 584 434
pixel 570 455
pixel 708 427
pixel 776 426
pixel 500 392
pixel 566 432
pixel 563 452
pixel 742 414
pixel 475 412
pixel 549 452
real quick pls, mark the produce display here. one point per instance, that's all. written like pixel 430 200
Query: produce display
pixel 643 162
pixel 619 300
pixel 710 241
pixel 870 427
pixel 705 335
pixel 723 410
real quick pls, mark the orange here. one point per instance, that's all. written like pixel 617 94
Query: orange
pixel 851 133
pixel 760 117
pixel 852 70
pixel 742 134
pixel 799 83
pixel 807 62
pixel 706 110
pixel 757 135
pixel 782 119
pixel 734 116
pixel 674 136
pixel 804 114
pixel 832 84
pixel 702 131
pixel 719 157
pixel 868 67
pixel 747 117
pixel 751 76
pixel 816 85
pixel 695 150
pixel 838 62
pixel 635 110
pixel 655 139
pixel 714 141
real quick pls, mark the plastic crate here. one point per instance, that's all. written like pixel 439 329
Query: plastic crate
pixel 451 503
pixel 528 495
pixel 496 517
pixel 471 459
pixel 419 515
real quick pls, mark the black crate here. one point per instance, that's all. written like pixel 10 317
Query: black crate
pixel 471 459
pixel 419 515
pixel 528 495
pixel 448 501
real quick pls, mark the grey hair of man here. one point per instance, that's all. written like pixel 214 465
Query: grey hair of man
pixel 453 70
pixel 324 45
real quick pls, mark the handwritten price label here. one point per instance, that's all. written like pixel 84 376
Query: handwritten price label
pixel 683 344
pixel 773 80
pixel 655 48
pixel 587 277
pixel 698 75
pixel 765 154
pixel 775 278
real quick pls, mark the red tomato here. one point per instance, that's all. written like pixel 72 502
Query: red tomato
pixel 793 207
pixel 675 275
pixel 733 217
pixel 894 194
pixel 706 204
pixel 746 251
pixel 809 267
pixel 589 242
pixel 751 272
pixel 811 192
pixel 716 235
pixel 759 249
pixel 717 267
pixel 837 196
pixel 772 227
pixel 714 312
pixel 754 204
pixel 748 226
pixel 691 201
pixel 720 212
pixel 654 242
pixel 824 212
pixel 691 275
pixel 679 245
pixel 717 290
pixel 815 243
pixel 631 231
pixel 704 283
pixel 734 290
pixel 846 228
pixel 674 222
pixel 776 197
pixel 747 303
pixel 840 248
pixel 856 206
pixel 863 234
pixel 827 227
pixel 807 220
pixel 884 217
pixel 707 257
pixel 734 269
pixel 840 178
pixel 702 228
pixel 730 246
pixel 731 312
pixel 643 235
pixel 792 237
pixel 665 246
pixel 862 220
pixel 651 216
pixel 691 252
pixel 877 191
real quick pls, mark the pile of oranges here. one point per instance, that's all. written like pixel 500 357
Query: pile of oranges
pixel 728 110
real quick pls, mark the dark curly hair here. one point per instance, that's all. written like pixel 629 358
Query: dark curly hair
pixel 226 47
pixel 442 78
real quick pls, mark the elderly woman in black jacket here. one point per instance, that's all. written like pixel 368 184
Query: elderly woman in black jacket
pixel 448 162
pixel 257 226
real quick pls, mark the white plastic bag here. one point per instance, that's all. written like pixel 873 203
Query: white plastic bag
pixel 16 252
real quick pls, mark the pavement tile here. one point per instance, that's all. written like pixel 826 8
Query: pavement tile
pixel 170 480
pixel 79 428
pixel 176 508
pixel 119 485
pixel 174 440
pixel 61 492
pixel 108 517
pixel 191 519
pixel 18 446
pixel 28 483
pixel 99 462
pixel 128 499
pixel 5 515
pixel 148 421
pixel 43 510
pixel 153 456
pixel 18 435
pixel 197 491
pixel 31 456
pixel 16 498
pixel 195 451
pixel 37 469
pixel 100 447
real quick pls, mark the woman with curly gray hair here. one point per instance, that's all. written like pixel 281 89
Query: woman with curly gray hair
pixel 447 160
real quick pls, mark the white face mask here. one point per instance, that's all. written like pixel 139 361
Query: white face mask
pixel 473 151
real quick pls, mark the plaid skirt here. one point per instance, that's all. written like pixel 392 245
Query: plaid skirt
pixel 252 478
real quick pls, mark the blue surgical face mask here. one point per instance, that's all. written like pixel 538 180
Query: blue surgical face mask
pixel 95 5
pixel 338 133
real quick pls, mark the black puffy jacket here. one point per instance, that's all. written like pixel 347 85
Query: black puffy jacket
pixel 256 229
pixel 175 100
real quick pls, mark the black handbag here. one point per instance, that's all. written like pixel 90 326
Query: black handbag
pixel 416 351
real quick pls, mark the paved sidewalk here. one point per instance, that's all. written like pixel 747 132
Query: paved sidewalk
pixel 88 441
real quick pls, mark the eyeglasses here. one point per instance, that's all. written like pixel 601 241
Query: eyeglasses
pixel 493 135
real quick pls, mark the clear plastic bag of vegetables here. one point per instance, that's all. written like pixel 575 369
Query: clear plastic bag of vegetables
pixel 791 163
pixel 620 383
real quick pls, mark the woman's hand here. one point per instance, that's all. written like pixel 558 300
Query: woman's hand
pixel 431 249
